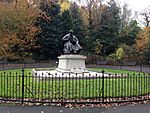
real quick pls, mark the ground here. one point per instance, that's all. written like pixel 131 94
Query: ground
pixel 131 108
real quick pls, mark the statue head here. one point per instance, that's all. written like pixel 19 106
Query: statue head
pixel 71 31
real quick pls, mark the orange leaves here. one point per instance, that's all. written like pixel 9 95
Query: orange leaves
pixel 143 39
pixel 6 44
pixel 28 42
pixel 17 29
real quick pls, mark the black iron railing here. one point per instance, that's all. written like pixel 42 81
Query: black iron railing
pixel 61 88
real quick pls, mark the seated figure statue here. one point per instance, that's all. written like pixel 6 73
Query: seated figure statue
pixel 71 43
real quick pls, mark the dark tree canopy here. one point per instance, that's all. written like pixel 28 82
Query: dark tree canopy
pixel 34 30
pixel 109 27
pixel 49 38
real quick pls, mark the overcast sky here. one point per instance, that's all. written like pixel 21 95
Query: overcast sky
pixel 134 5
pixel 137 5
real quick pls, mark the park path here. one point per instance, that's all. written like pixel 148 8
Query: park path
pixel 139 108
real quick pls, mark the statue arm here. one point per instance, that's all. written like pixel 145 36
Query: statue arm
pixel 76 39
pixel 65 38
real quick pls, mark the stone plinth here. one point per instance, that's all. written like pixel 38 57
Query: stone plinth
pixel 71 63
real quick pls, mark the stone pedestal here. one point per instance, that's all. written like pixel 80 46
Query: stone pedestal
pixel 71 64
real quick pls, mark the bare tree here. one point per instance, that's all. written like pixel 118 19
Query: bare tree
pixel 146 16
pixel 93 10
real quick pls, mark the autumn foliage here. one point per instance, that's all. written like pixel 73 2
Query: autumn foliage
pixel 17 29
pixel 143 39
pixel 32 29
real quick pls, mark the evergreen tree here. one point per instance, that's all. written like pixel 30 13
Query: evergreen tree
pixel 109 28
pixel 78 25
pixel 66 21
pixel 129 33
pixel 49 38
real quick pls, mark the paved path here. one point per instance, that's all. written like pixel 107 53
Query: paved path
pixel 140 108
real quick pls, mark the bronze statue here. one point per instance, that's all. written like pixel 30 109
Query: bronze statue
pixel 71 44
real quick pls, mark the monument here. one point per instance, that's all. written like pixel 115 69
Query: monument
pixel 71 61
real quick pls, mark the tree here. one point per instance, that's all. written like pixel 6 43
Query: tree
pixel 131 53
pixel 129 33
pixel 49 38
pixel 142 44
pixel 109 28
pixel 65 5
pixel 98 47
pixel 146 16
pixel 91 11
pixel 117 56
pixel 17 29
pixel 126 15
pixel 67 21
pixel 147 53
pixel 120 54
pixel 143 39
pixel 78 25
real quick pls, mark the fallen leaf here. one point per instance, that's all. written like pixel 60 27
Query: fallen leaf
pixel 42 111
pixel 61 111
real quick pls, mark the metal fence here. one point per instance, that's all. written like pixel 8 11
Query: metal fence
pixel 24 87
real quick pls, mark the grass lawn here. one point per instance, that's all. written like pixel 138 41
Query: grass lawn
pixel 15 71
pixel 134 84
